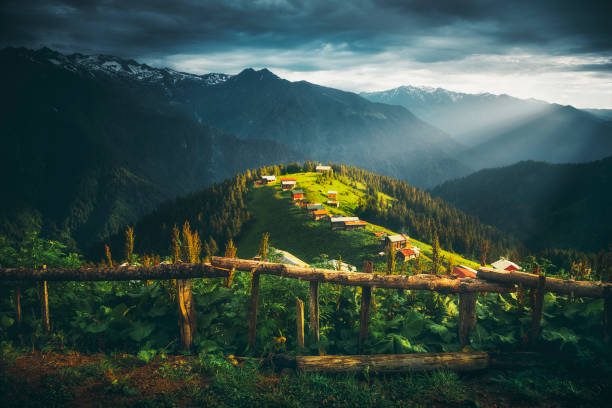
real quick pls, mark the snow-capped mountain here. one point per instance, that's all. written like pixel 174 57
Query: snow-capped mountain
pixel 124 68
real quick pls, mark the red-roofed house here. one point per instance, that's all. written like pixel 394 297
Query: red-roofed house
pixel 407 254
pixel 462 271
pixel 288 183
pixel 297 195
pixel 319 214
pixel 505 265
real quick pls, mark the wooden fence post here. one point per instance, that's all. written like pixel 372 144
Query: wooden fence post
pixel 313 308
pixel 536 308
pixel 253 308
pixel 467 316
pixel 44 306
pixel 299 317
pixel 18 306
pixel 187 318
pixel 366 297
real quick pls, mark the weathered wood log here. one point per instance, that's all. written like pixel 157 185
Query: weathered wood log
pixel 391 363
pixel 422 282
pixel 313 308
pixel 153 272
pixel 467 316
pixel 299 319
pixel 536 309
pixel 186 311
pixel 253 308
pixel 528 280
pixel 366 300
pixel 44 307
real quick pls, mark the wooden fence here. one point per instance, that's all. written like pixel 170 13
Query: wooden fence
pixel 488 280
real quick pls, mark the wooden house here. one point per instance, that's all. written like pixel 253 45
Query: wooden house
pixel 505 265
pixel 353 225
pixel 314 207
pixel 398 241
pixel 462 271
pixel 319 214
pixel 288 183
pixel 406 254
pixel 323 169
pixel 333 203
pixel 297 195
pixel 332 195
pixel 338 222
pixel 268 179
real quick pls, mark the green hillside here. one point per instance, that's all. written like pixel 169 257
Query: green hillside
pixel 293 230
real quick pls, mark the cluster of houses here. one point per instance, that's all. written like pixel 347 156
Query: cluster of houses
pixel 404 250
pixel 463 271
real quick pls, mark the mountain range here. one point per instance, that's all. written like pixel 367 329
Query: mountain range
pixel 499 130
pixel 545 205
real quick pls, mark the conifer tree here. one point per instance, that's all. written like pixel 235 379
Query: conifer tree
pixel 264 245
pixel 176 244
pixel 435 253
pixel 390 259
pixel 483 256
pixel 129 244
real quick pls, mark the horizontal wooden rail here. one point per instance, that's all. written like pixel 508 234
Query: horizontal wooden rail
pixel 393 363
pixel 528 280
pixel 172 271
pixel 418 282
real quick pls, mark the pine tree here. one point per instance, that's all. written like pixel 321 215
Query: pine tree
pixel 435 253
pixel 390 259
pixel 129 244
pixel 176 244
pixel 483 256
pixel 264 245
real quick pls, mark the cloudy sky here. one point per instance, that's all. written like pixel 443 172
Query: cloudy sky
pixel 555 50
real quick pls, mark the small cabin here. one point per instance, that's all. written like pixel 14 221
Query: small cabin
pixel 297 195
pixel 397 242
pixel 462 271
pixel 505 265
pixel 319 214
pixel 333 203
pixel 332 195
pixel 338 222
pixel 314 207
pixel 323 169
pixel 406 254
pixel 288 184
pixel 268 179
pixel 353 225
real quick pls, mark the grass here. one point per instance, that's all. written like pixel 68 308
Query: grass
pixel 212 380
pixel 293 230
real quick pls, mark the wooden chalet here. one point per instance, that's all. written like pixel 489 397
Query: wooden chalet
pixel 323 169
pixel 398 241
pixel 406 254
pixel 332 195
pixel 462 271
pixel 297 195
pixel 288 183
pixel 268 179
pixel 319 214
pixel 506 265
pixel 353 225
pixel 339 222
pixel 333 203
pixel 314 207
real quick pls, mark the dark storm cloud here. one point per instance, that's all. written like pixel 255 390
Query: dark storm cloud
pixel 152 27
